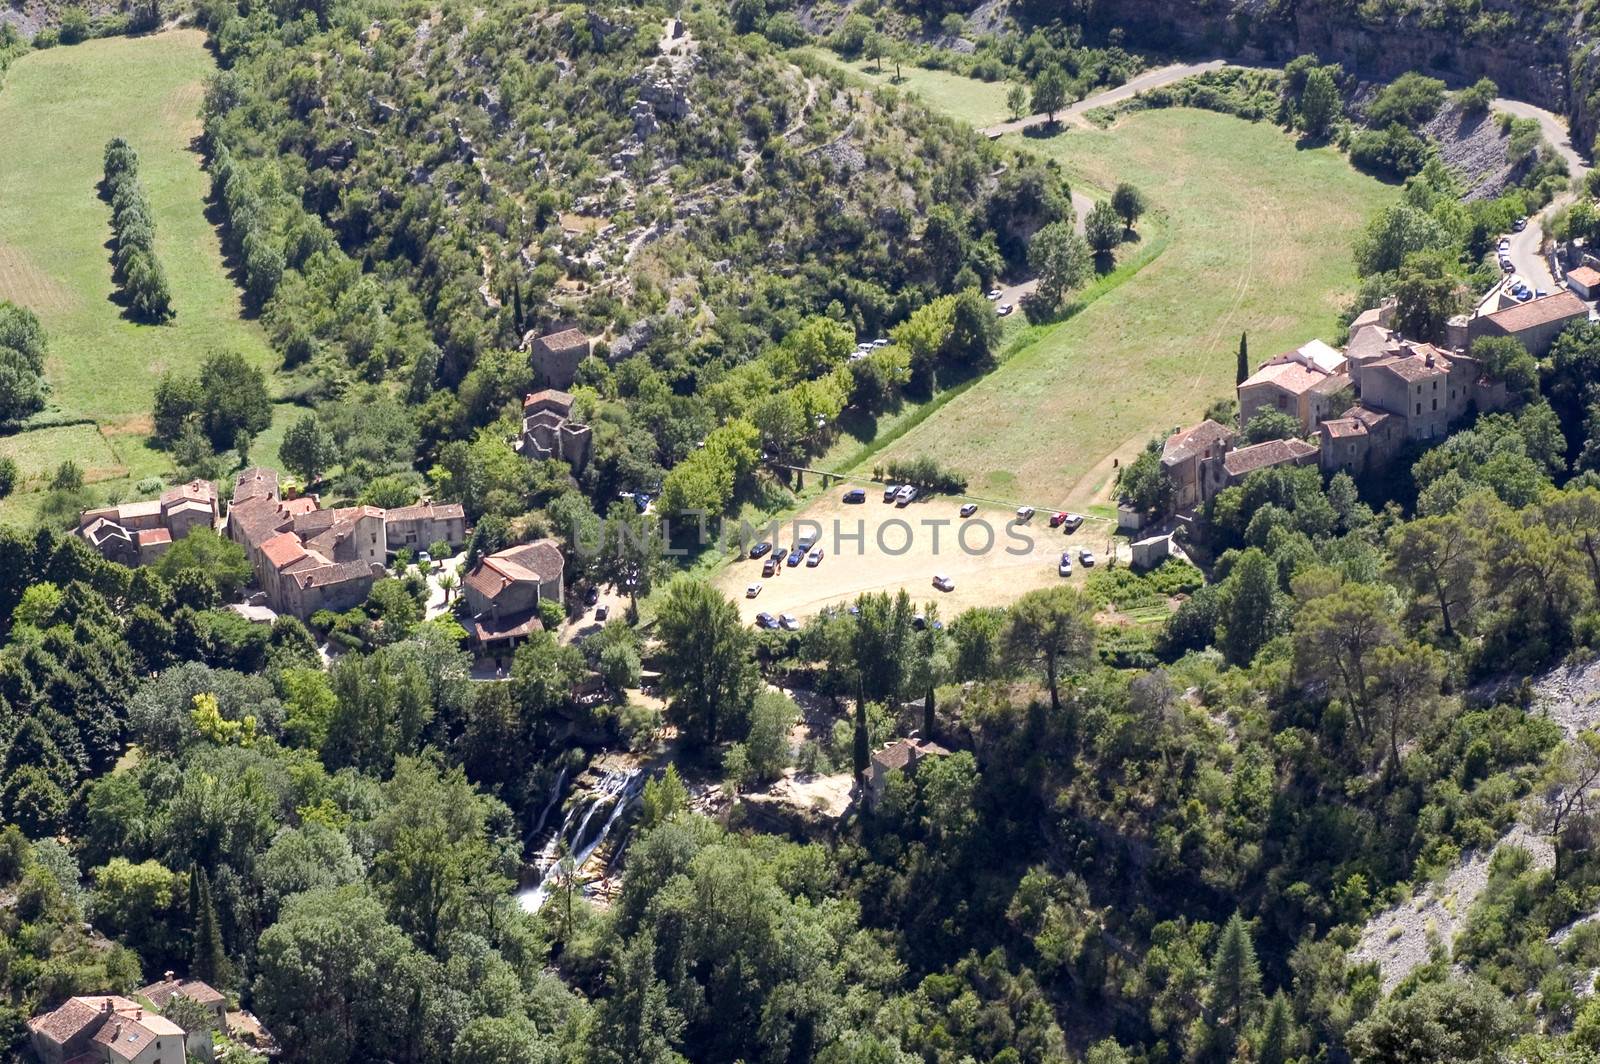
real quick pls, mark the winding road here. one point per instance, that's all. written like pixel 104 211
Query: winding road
pixel 1527 261
pixel 1150 79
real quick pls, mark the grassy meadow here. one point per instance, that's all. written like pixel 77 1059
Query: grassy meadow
pixel 1256 235
pixel 57 110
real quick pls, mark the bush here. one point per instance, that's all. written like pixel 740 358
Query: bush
pixel 926 474
pixel 10 475
pixel 1476 98
pixel 74 25
pixel 1395 152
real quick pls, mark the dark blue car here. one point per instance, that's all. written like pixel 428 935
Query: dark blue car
pixel 796 556
pixel 760 549
pixel 855 495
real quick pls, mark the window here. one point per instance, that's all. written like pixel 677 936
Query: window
pixel 1419 389
pixel 1419 409
pixel 1436 404
pixel 1435 385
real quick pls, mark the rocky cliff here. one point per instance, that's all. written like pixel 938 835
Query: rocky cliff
pixel 1535 51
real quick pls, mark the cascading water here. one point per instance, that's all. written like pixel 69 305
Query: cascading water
pixel 602 807
pixel 550 803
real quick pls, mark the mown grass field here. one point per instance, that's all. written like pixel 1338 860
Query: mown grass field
pixel 57 110
pixel 982 103
pixel 1258 235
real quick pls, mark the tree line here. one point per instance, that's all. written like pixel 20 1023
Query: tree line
pixel 135 266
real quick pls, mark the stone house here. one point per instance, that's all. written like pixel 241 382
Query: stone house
pixel 417 527
pixel 1236 465
pixel 503 592
pixel 1535 324
pixel 1305 382
pixel 1191 459
pixel 548 430
pixel 106 1029
pixel 139 533
pixel 898 755
pixel 554 357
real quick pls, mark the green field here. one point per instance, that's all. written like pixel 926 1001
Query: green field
pixel 982 103
pixel 57 110
pixel 1258 236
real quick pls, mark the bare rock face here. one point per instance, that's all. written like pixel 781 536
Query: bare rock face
pixel 1474 146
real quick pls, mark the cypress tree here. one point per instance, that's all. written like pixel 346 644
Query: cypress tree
pixel 928 714
pixel 208 961
pixel 1235 974
pixel 860 746
pixel 1243 372
pixel 1277 1037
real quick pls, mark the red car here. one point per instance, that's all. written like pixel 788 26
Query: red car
pixel 1057 519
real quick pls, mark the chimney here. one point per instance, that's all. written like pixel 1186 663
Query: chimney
pixel 105 1005
pixel 1430 359
pixel 169 975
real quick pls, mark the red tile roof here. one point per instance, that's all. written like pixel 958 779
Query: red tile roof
pixel 1263 455
pixel 1536 312
pixel 282 550
pixel 1585 275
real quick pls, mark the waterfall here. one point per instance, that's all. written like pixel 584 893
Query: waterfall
pixel 550 803
pixel 605 805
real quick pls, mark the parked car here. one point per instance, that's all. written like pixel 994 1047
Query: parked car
pixel 814 559
pixel 766 620
pixel 904 496
pixel 1505 243
pixel 919 622
pixel 805 542
pixel 890 491
pixel 1024 513
pixel 795 557
pixel 1058 519
pixel 1064 567
pixel 1519 225
pixel 1072 523
pixel 1539 293
pixel 1085 556
pixel 944 583
pixel 882 341
pixel 1505 265
pixel 855 495
pixel 969 509
pixel 752 591
pixel 591 596
pixel 602 612
pixel 425 561
pixel 771 567
pixel 994 295
pixel 1003 309
pixel 761 550
pixel 790 622
pixel 1522 295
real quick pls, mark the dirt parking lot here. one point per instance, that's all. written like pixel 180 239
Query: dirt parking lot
pixel 874 546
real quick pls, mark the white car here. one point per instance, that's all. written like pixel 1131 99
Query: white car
pixel 944 583
pixel 1065 567
pixel 905 495
pixel 1085 556
pixel 789 622
pixel 1024 513
pixel 994 295
pixel 814 559
pixel 1505 243
pixel 1003 309
pixel 752 591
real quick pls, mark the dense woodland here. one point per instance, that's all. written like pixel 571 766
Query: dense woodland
pixel 1150 845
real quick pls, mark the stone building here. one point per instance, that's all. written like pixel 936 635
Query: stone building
pixel 548 430
pixel 139 533
pixel 554 357
pixel 503 592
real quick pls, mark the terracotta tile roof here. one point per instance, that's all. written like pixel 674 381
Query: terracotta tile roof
pixel 540 561
pixel 255 483
pixel 551 398
pixel 295 507
pixel 1368 341
pixel 154 535
pixel 282 550
pixel 1536 312
pixel 1585 275
pixel 516 626
pixel 563 340
pixel 257 519
pixel 335 573
pixel 1262 455
pixel 66 1022
pixel 163 992
pixel 444 511
pixel 1180 445
pixel 194 491
pixel 1414 367
pixel 1291 377
pixel 1343 428
pixel 899 753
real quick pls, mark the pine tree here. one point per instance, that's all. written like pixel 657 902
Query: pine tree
pixel 1275 1042
pixel 1235 975
pixel 208 961
pixel 1243 372
pixel 860 746
pixel 928 714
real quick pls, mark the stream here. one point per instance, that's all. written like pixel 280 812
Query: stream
pixel 589 821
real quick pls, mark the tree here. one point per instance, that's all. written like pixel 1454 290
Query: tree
pixel 1277 1041
pixel 1270 424
pixel 766 745
pixel 204 552
pixel 1562 805
pixel 307 448
pixel 1455 1021
pixel 1248 607
pixel 1426 293
pixel 1144 484
pixel 1103 228
pixel 1128 202
pixel 1320 104
pixel 1016 99
pixel 1505 359
pixel 707 669
pixel 1050 91
pixel 1235 975
pixel 1053 629
pixel 1437 559
pixel 207 959
pixel 1395 233
pixel 1337 636
pixel 22 351
pixel 1242 370
pixel 1407 680
pixel 1062 261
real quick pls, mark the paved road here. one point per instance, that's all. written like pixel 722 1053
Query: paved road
pixel 1526 258
pixel 1150 79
